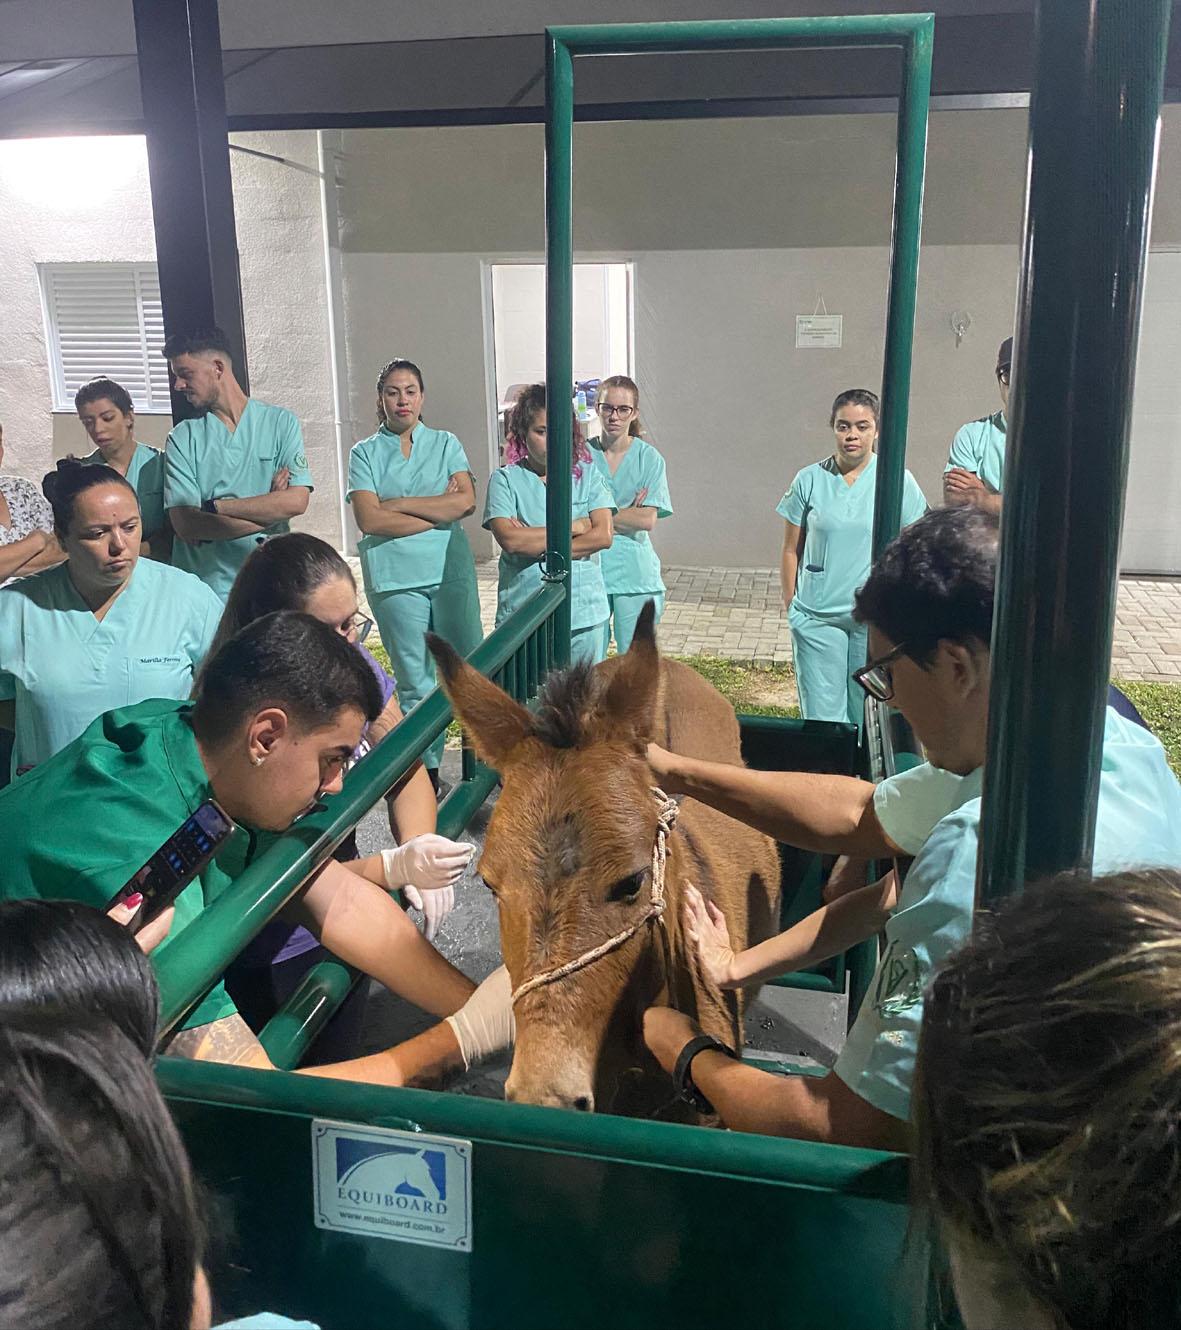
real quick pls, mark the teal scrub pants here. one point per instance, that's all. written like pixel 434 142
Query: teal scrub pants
pixel 625 610
pixel 589 645
pixel 451 609
pixel 826 652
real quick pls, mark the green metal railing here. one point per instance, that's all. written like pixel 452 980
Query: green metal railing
pixel 914 34
pixel 1094 124
pixel 517 655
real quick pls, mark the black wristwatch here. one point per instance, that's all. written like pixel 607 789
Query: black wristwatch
pixel 683 1081
pixel 209 506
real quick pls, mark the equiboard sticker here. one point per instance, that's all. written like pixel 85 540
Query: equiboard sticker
pixel 385 1183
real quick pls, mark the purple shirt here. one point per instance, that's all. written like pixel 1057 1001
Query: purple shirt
pixel 278 941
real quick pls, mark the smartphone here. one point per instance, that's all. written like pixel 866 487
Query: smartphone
pixel 174 865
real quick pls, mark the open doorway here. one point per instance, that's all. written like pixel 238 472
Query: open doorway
pixel 603 332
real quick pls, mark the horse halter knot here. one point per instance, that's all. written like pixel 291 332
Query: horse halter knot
pixel 666 818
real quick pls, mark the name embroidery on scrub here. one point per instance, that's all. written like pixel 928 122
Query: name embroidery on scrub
pixel 899 984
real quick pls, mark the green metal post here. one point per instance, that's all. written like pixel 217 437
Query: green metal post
pixel 1093 129
pixel 559 328
pixel 905 235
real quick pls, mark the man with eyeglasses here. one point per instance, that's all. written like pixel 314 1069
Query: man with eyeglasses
pixel 928 607
pixel 976 463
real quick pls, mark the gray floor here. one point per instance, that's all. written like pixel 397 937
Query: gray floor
pixel 781 1025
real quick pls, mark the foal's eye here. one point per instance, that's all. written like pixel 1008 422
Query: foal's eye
pixel 628 888
pixel 490 887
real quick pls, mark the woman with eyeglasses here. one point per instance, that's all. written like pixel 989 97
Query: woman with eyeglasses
pixel 827 545
pixel 410 487
pixel 634 473
pixel 299 572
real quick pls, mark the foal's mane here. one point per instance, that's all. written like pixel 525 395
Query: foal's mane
pixel 564 706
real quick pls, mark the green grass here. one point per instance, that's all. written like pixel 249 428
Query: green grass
pixel 769 690
pixel 1160 705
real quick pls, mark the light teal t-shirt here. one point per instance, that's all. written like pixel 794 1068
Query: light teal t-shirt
pixel 64 667
pixel 1138 826
pixel 631 566
pixel 979 447
pixel 837 519
pixel 204 460
pixel 517 491
pixel 145 472
pixel 428 558
pixel 910 805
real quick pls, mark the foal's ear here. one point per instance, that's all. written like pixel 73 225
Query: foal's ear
pixel 496 723
pixel 627 708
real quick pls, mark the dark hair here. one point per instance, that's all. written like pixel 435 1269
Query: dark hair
pixel 69 959
pixel 933 581
pixel 635 428
pixel 856 397
pixel 97 1207
pixel 387 370
pixel 197 342
pixel 287 660
pixel 280 574
pixel 1048 1091
pixel 71 478
pixel 98 389
pixel 529 405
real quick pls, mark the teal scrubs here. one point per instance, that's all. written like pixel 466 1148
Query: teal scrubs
pixel 145 472
pixel 837 519
pixel 204 460
pixel 64 667
pixel 421 583
pixel 1138 826
pixel 631 566
pixel 517 491
pixel 81 824
pixel 979 447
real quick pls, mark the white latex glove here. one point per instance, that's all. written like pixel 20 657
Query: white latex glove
pixel 435 905
pixel 427 862
pixel 484 1024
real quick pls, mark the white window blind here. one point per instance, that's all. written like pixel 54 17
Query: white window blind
pixel 105 319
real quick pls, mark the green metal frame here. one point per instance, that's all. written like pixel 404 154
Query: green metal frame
pixel 914 34
pixel 517 655
pixel 1093 126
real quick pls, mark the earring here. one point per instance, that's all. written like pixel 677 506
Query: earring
pixel 257 761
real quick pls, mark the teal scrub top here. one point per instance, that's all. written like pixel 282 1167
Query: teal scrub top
pixel 517 491
pixel 64 667
pixel 837 519
pixel 81 824
pixel 1138 826
pixel 428 558
pixel 979 447
pixel 631 566
pixel 145 472
pixel 204 460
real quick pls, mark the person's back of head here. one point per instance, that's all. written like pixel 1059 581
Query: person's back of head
pixel 68 960
pixel 1047 1103
pixel 99 1229
pixel 287 660
pixel 935 581
pixel 280 574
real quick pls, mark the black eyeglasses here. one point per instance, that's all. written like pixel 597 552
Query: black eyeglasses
pixel 607 410
pixel 877 678
pixel 357 629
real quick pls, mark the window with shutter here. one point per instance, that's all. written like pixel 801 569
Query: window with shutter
pixel 105 319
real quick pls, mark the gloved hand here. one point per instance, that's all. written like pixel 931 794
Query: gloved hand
pixel 426 862
pixel 435 905
pixel 484 1024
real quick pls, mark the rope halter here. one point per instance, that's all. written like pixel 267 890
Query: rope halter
pixel 666 818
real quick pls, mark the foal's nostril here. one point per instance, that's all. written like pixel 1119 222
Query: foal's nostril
pixel 583 1104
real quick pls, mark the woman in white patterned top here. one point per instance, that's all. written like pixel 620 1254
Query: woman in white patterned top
pixel 27 543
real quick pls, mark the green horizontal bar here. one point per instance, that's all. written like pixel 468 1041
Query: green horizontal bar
pixel 807 980
pixel 764 1159
pixel 191 966
pixel 742 34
